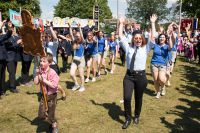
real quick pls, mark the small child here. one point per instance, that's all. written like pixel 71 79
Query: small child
pixel 50 79
pixel 55 68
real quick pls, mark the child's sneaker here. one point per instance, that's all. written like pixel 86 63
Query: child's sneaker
pixel 93 79
pixel 82 88
pixel 87 80
pixel 75 87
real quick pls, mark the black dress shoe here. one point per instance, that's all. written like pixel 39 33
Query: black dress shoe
pixel 126 124
pixel 136 120
pixel 14 91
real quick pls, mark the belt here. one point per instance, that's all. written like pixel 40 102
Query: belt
pixel 135 72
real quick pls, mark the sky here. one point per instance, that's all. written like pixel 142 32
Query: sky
pixel 47 7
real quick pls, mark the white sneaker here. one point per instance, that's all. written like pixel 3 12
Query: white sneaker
pixel 121 101
pixel 106 72
pixel 158 95
pixel 111 71
pixel 87 80
pixel 163 91
pixel 82 88
pixel 168 83
pixel 93 79
pixel 75 87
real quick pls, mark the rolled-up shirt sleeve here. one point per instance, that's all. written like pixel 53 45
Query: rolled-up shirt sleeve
pixel 124 43
pixel 150 45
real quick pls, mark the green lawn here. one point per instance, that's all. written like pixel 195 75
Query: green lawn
pixel 98 110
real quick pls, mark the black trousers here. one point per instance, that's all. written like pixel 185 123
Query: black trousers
pixel 25 71
pixel 11 66
pixel 136 81
pixel 64 62
pixel 122 55
pixel 2 75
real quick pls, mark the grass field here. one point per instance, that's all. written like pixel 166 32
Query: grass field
pixel 98 110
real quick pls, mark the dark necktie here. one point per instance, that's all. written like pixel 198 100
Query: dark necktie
pixel 133 59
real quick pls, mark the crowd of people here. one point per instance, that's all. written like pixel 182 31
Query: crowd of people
pixel 89 49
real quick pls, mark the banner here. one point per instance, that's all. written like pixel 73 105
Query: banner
pixel 184 23
pixel 63 22
pixel 0 16
pixel 38 23
pixel 15 17
pixel 195 23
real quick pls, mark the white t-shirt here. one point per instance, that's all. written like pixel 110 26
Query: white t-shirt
pixel 52 48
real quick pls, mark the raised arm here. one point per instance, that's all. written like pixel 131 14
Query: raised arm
pixel 81 33
pixel 121 21
pixel 62 37
pixel 153 19
pixel 170 33
pixel 53 33
pixel 70 31
pixel 188 30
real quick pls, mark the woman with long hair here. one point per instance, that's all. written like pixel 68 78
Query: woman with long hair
pixel 160 61
pixel 91 56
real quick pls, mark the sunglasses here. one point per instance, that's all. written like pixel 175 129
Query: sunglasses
pixel 161 37
pixel 137 38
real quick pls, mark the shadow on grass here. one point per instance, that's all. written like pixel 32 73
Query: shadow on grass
pixel 69 84
pixel 188 115
pixel 42 126
pixel 188 121
pixel 114 111
pixel 39 95
pixel 149 92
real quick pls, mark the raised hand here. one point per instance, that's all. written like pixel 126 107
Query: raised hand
pixel 153 18
pixel 170 30
pixel 121 20
pixel 79 25
pixel 161 29
pixel 188 26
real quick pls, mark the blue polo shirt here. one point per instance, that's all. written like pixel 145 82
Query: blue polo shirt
pixel 92 48
pixel 112 46
pixel 160 54
pixel 80 51
pixel 101 44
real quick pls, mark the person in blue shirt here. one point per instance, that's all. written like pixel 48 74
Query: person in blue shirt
pixel 91 55
pixel 78 60
pixel 112 49
pixel 160 60
pixel 102 51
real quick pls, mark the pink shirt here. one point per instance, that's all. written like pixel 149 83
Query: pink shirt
pixel 53 78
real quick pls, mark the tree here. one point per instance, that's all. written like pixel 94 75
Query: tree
pixel 81 9
pixel 141 10
pixel 32 5
pixel 190 8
